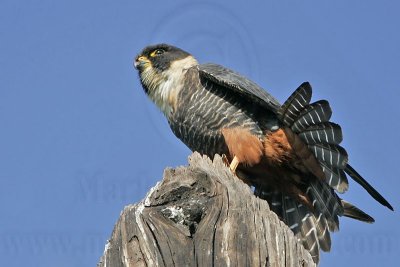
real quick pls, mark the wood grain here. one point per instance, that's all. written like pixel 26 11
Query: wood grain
pixel 202 215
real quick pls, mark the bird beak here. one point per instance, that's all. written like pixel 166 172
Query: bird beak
pixel 140 62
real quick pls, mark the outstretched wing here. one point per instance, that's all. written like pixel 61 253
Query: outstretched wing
pixel 239 84
pixel 311 123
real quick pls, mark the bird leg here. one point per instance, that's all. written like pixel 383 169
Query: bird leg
pixel 233 166
pixel 235 162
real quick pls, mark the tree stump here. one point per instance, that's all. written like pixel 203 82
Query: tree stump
pixel 202 215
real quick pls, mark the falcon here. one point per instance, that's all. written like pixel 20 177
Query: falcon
pixel 290 153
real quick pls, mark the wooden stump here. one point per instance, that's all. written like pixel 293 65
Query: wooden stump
pixel 202 215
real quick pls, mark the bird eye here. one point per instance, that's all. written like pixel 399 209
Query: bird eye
pixel 157 52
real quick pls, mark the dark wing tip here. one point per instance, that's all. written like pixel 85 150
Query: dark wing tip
pixel 306 85
pixel 389 206
pixel 372 191
pixel 352 211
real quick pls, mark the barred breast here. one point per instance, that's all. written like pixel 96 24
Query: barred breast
pixel 205 108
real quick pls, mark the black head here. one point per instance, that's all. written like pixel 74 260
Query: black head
pixel 159 57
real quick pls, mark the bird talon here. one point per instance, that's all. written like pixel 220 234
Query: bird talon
pixel 235 162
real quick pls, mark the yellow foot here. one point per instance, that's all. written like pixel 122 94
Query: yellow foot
pixel 234 164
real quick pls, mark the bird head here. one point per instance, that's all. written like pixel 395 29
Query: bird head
pixel 161 70
pixel 159 57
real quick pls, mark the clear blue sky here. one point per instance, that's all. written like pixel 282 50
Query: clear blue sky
pixel 79 140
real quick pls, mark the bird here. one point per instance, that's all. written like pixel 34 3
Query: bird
pixel 289 153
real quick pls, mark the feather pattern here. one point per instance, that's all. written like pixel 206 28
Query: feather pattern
pixel 312 114
pixel 233 81
pixel 292 107
pixel 207 108
pixel 311 230
pixel 324 238
pixel 335 177
pixel 326 132
pixel 331 155
pixel 201 100
pixel 325 201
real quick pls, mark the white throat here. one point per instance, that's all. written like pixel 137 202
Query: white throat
pixel 165 90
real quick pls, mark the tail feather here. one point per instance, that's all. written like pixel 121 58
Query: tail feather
pixel 303 152
pixel 292 107
pixel 312 114
pixel 325 201
pixel 276 203
pixel 331 155
pixel 290 213
pixel 310 239
pixel 352 211
pixel 324 238
pixel 323 138
pixel 316 141
pixel 335 177
pixel 311 231
pixel 274 198
pixel 372 191
pixel 327 132
pixel 309 236
pixel 311 123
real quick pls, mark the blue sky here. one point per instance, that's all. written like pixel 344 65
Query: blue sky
pixel 79 140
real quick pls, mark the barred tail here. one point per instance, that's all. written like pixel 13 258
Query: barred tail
pixel 372 191
pixel 310 229
pixel 353 212
pixel 310 122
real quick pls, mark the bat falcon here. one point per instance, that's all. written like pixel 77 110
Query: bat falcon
pixel 290 153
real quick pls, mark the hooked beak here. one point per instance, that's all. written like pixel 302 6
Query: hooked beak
pixel 140 62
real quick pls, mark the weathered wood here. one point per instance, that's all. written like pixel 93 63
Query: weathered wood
pixel 202 215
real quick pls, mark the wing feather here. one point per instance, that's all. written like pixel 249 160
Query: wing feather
pixel 327 132
pixel 312 114
pixel 332 155
pixel 294 105
pixel 232 80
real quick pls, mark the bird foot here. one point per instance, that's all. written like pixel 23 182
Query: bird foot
pixel 234 164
